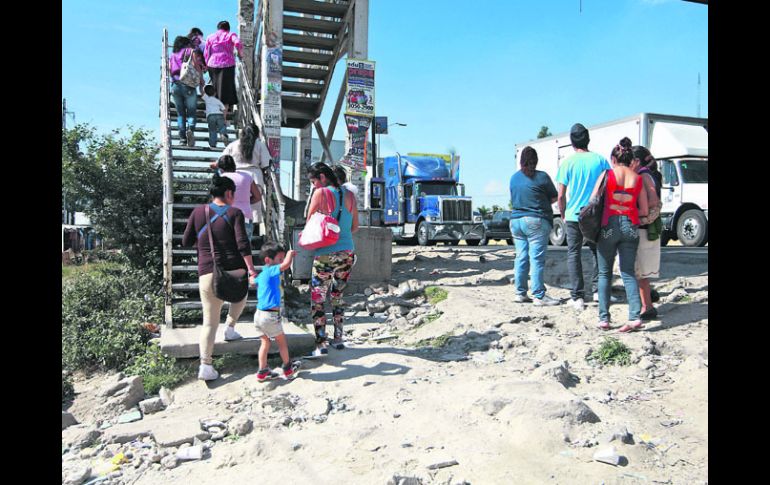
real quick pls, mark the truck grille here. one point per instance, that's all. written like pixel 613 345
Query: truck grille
pixel 456 210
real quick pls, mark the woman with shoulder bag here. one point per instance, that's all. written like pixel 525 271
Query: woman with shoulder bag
pixel 331 264
pixel 223 247
pixel 185 97
pixel 625 202
pixel 648 254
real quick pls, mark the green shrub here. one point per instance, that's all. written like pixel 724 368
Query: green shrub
pixel 158 370
pixel 102 312
pixel 435 294
pixel 436 342
pixel 67 389
pixel 611 352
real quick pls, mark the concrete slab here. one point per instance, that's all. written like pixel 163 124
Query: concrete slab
pixel 182 343
pixel 168 429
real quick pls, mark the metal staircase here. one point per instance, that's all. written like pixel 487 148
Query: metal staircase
pixel 186 179
pixel 316 34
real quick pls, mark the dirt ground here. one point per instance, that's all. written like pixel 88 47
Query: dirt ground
pixel 491 393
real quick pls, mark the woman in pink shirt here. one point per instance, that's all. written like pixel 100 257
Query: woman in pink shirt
pixel 221 63
pixel 246 190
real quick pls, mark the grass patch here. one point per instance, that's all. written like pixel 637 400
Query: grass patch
pixel 71 271
pixel 611 352
pixel 436 342
pixel 432 317
pixel 435 294
pixel 159 370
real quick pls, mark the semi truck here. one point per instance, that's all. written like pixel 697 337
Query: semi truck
pixel 422 200
pixel 679 144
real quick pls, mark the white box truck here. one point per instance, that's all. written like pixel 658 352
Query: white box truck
pixel 679 143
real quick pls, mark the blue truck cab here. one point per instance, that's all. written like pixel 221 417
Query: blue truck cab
pixel 424 200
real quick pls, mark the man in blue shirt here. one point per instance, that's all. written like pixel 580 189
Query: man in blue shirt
pixel 576 179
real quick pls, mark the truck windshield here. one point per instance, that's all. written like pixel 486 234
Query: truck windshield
pixel 437 189
pixel 695 171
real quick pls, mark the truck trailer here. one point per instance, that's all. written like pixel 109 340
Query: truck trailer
pixel 424 202
pixel 678 143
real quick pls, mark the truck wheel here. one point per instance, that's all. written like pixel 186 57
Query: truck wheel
pixel 558 236
pixel 472 242
pixel 422 235
pixel 691 228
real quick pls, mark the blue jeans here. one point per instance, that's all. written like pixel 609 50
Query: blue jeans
pixel 530 235
pixel 618 236
pixel 186 101
pixel 216 126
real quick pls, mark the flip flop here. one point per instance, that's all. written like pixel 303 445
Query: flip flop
pixel 631 327
pixel 603 325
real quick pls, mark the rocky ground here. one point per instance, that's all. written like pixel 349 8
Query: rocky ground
pixel 475 389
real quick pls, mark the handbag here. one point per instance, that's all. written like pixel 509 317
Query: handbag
pixel 229 285
pixel 189 75
pixel 590 217
pixel 321 230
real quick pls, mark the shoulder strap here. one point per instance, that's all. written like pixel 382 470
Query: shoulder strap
pixel 342 199
pixel 211 238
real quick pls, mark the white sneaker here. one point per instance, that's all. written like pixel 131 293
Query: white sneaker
pixel 613 299
pixel 521 299
pixel 206 372
pixel 231 334
pixel 546 301
pixel 578 304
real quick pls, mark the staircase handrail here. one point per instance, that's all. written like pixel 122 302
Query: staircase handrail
pixel 168 188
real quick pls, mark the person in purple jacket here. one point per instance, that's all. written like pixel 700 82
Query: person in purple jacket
pixel 185 98
pixel 221 63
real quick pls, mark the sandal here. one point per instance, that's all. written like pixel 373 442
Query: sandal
pixel 631 326
pixel 603 325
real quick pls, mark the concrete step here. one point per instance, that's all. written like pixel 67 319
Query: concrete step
pixel 305 72
pixel 309 41
pixel 182 343
pixel 301 87
pixel 325 9
pixel 305 57
pixel 307 24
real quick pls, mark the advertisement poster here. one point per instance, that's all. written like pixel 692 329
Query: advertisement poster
pixel 359 97
pixel 357 127
pixel 380 125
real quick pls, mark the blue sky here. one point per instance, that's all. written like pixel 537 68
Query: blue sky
pixel 475 76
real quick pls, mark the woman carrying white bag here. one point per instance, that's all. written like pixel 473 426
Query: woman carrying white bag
pixel 332 263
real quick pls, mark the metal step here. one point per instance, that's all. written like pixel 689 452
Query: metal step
pixel 325 9
pixel 188 169
pixel 199 113
pixel 177 251
pixel 191 304
pixel 305 72
pixel 197 180
pixel 193 158
pixel 194 267
pixel 204 148
pixel 302 87
pixel 309 41
pixel 201 193
pixel 305 57
pixel 175 137
pixel 307 24
pixel 202 128
pixel 300 102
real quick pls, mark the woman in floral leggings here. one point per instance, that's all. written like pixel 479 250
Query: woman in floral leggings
pixel 331 264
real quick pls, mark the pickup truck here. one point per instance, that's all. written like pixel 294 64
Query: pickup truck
pixel 498 228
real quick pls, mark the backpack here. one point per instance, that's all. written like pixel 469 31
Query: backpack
pixel 590 217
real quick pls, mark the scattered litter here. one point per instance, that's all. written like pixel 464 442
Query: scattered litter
pixel 130 417
pixel 670 423
pixel 607 455
pixel 384 337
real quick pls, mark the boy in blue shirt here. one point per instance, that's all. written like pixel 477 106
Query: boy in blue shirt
pixel 268 315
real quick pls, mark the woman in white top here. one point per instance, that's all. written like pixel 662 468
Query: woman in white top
pixel 251 156
pixel 246 190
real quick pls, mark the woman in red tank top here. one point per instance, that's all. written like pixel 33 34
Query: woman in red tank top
pixel 624 203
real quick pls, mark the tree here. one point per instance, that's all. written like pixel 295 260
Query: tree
pixel 496 208
pixel 117 182
pixel 484 211
pixel 544 132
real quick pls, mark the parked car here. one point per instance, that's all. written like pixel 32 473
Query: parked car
pixel 498 228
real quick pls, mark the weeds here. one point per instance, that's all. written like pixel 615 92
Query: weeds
pixel 435 294
pixel 435 342
pixel 611 352
pixel 159 370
